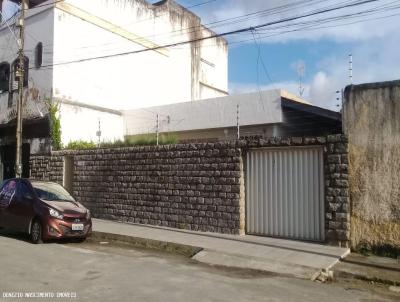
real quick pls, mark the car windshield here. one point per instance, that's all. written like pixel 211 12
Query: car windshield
pixel 51 191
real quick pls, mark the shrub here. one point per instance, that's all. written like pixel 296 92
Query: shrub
pixel 80 145
pixel 140 140
pixel 55 124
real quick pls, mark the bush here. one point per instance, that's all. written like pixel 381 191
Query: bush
pixel 55 124
pixel 140 140
pixel 80 145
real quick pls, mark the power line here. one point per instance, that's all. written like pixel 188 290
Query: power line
pixel 312 26
pixel 228 33
pixel 275 10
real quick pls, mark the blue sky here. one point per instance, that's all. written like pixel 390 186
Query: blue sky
pixel 372 39
pixel 322 50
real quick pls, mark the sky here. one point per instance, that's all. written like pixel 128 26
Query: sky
pixel 271 59
pixel 278 57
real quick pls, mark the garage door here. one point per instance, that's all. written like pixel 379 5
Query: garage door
pixel 285 193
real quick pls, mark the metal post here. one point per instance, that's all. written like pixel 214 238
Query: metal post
pixel 98 134
pixel 21 75
pixel 157 127
pixel 351 68
pixel 238 120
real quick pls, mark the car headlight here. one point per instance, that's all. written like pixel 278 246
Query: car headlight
pixel 55 214
pixel 88 215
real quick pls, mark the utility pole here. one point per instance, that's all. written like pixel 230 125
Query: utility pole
pixel 21 75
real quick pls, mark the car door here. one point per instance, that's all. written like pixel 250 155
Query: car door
pixel 21 209
pixel 7 197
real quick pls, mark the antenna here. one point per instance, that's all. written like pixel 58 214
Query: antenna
pixel 351 68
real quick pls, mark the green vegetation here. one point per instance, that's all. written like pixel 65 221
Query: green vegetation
pixel 55 124
pixel 385 250
pixel 140 140
pixel 80 145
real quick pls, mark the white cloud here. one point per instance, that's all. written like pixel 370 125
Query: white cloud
pixel 350 31
pixel 374 45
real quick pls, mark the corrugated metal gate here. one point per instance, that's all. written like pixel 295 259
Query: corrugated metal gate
pixel 285 193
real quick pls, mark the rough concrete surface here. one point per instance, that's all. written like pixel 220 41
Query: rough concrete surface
pixel 371 121
pixel 371 268
pixel 287 257
pixel 102 273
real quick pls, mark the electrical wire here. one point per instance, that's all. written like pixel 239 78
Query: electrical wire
pixel 225 34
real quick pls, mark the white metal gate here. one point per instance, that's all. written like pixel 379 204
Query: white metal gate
pixel 285 193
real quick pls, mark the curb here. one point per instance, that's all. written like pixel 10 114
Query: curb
pixel 174 248
pixel 343 274
pixel 187 251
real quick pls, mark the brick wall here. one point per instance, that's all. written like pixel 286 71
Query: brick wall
pixel 191 186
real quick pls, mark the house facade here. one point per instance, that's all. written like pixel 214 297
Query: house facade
pixel 271 113
pixel 95 58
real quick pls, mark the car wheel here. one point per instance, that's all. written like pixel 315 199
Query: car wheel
pixel 36 232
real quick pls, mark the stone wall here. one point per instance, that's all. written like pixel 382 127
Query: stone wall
pixel 191 186
pixel 371 115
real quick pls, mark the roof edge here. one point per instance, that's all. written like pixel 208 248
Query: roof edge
pixel 326 113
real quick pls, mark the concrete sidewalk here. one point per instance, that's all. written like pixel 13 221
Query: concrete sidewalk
pixel 287 257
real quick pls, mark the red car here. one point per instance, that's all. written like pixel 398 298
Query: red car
pixel 44 210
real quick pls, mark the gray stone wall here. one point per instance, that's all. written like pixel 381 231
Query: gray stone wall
pixel 191 186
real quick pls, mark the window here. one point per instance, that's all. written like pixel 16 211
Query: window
pixel 7 193
pixel 15 67
pixel 39 55
pixel 24 192
pixel 51 191
pixel 4 77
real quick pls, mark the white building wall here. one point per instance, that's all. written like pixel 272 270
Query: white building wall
pixel 150 78
pixel 217 113
pixel 82 123
pixel 213 67
pixel 39 28
pixel 135 80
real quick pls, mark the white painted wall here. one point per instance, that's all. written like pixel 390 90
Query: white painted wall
pixel 39 28
pixel 254 109
pixel 135 80
pixel 80 123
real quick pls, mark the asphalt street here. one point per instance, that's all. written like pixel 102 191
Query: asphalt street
pixel 100 272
